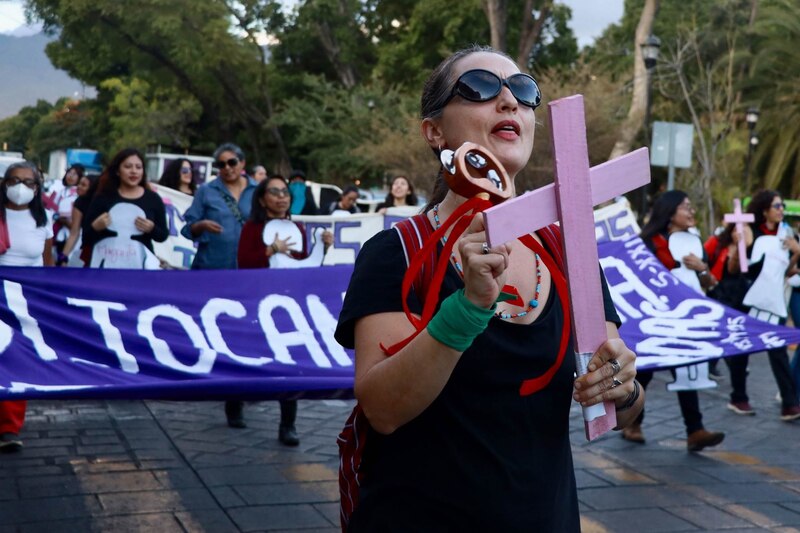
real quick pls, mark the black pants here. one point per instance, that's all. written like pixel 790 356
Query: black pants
pixel 234 408
pixel 778 362
pixel 687 399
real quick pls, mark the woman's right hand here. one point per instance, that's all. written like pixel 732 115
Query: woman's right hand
pixel 282 246
pixel 102 222
pixel 204 225
pixel 484 273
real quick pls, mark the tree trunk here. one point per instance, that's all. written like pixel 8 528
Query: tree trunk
pixel 497 15
pixel 636 114
pixel 346 71
pixel 530 31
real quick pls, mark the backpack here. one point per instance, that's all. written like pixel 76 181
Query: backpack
pixel 352 440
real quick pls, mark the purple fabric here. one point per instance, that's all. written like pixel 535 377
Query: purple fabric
pixel 268 334
pixel 248 334
pixel 667 323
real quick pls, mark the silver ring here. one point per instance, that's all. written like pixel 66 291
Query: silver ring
pixel 615 366
pixel 485 248
pixel 615 383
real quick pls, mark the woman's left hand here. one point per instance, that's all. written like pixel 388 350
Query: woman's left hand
pixel 612 370
pixel 327 238
pixel 144 225
pixel 693 262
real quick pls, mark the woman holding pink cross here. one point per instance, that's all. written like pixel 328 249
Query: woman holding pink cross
pixel 451 442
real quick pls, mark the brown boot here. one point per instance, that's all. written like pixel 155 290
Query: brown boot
pixel 697 440
pixel 633 433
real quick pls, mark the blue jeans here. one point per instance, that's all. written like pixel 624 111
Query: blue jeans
pixel 794 310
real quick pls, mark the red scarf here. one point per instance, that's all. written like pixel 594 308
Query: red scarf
pixel 662 252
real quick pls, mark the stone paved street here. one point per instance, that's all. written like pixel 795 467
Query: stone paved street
pixel 170 466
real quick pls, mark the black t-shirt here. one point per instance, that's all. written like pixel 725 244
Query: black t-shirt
pixel 149 202
pixel 82 203
pixel 480 457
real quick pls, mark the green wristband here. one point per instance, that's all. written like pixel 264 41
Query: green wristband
pixel 459 321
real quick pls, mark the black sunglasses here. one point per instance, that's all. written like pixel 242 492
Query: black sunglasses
pixel 481 86
pixel 28 182
pixel 232 162
pixel 779 205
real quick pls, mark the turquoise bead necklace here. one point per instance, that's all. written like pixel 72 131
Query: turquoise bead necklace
pixel 531 304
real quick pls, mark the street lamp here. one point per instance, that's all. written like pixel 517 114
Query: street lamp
pixel 650 48
pixel 752 118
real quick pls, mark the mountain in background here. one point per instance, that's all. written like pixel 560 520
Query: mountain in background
pixel 26 74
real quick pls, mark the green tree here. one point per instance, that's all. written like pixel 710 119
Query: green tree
pixel 772 87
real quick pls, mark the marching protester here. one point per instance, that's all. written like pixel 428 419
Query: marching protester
pixel 87 187
pixel 214 221
pixel 259 173
pixel 179 175
pixel 271 201
pixel 452 445
pixel 302 200
pixel 765 299
pixel 64 200
pixel 673 212
pixel 27 237
pixel 345 204
pixel 401 193
pixel 124 181
pixel 730 290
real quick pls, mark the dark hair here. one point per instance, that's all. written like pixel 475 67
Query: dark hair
pixel 347 190
pixel 258 212
pixel 94 181
pixel 109 179
pixel 228 147
pixel 761 201
pixel 435 93
pixel 411 197
pixel 79 169
pixel 172 175
pixel 36 206
pixel 297 174
pixel 661 213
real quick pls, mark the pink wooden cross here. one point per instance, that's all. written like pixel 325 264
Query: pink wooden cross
pixel 739 219
pixel 570 199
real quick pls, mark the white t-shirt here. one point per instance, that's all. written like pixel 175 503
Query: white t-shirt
pixel 27 240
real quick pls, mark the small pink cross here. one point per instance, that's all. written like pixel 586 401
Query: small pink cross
pixel 570 199
pixel 739 219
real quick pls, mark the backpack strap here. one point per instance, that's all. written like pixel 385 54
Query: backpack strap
pixel 414 231
pixel 551 236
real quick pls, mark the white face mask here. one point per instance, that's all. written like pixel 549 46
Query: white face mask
pixel 20 194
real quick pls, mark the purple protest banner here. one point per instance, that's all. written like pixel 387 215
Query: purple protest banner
pixel 667 323
pixel 268 334
pixel 249 334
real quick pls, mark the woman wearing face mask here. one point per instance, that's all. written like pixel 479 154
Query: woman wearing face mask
pixel 125 181
pixel 303 202
pixel 30 244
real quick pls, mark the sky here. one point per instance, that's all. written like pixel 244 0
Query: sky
pixel 589 17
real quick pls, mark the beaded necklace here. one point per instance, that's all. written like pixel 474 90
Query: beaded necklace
pixel 531 305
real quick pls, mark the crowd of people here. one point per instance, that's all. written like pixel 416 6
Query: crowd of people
pixel 491 457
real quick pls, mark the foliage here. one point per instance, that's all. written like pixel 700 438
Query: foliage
pixel 138 115
pixel 772 87
pixel 293 86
